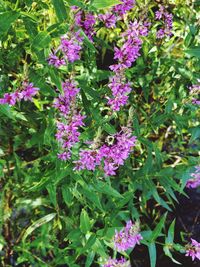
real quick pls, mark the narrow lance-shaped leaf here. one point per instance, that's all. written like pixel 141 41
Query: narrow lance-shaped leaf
pixel 60 9
pixel 37 224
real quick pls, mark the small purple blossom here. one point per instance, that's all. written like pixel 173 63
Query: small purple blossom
pixel 167 18
pixel 117 263
pixel 194 91
pixel 120 90
pixel 128 237
pixel 71 46
pixel 69 50
pixel 195 179
pixel 111 156
pixel 68 130
pixel 64 100
pixel 26 92
pixel 55 61
pixel 68 135
pixel 108 19
pixel 86 22
pixel 193 250
pixel 124 7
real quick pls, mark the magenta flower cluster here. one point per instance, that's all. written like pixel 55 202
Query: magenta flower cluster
pixel 125 55
pixel 193 250
pixel 85 21
pixel 26 92
pixel 167 18
pixel 128 237
pixel 111 156
pixel 71 120
pixel 68 50
pixel 194 91
pixel 117 263
pixel 116 13
pixel 194 182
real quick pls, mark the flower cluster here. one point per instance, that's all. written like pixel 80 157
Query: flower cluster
pixel 112 155
pixel 195 180
pixel 166 30
pixel 68 50
pixel 125 55
pixel 120 90
pixel 128 237
pixel 116 13
pixel 26 92
pixel 67 131
pixel 117 263
pixel 193 250
pixel 195 90
pixel 85 21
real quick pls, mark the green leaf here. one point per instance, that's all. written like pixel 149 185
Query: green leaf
pixel 170 235
pixel 6 19
pixel 60 9
pixel 195 131
pixel 103 187
pixel 37 224
pixel 93 197
pixel 157 231
pixel 101 4
pixel 90 258
pixel 169 254
pixel 85 225
pixel 152 254
pixel 67 195
pixel 109 128
pixel 76 3
pixel 41 41
pixel 195 52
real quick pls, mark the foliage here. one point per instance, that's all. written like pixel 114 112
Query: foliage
pixel 54 215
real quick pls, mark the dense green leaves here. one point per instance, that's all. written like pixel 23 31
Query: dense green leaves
pixel 51 213
pixel 101 4
pixel 60 9
pixel 6 20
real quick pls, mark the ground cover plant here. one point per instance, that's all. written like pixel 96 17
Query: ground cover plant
pixel 99 132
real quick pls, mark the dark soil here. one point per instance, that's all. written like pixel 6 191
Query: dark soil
pixel 187 214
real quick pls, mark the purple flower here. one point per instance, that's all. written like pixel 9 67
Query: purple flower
pixel 120 90
pixel 86 22
pixel 55 61
pixel 64 156
pixel 29 91
pixel 111 156
pixel 123 8
pixel 195 90
pixel 195 180
pixel 68 135
pixel 117 263
pixel 193 250
pixel 26 92
pixel 166 30
pixel 63 102
pixel 68 130
pixel 69 50
pixel 125 55
pixel 71 46
pixel 109 19
pixel 128 237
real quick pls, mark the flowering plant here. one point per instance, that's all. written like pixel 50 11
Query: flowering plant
pixel 99 132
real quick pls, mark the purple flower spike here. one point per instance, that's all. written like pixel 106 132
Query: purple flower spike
pixel 117 263
pixel 128 237
pixel 193 250
pixel 194 182
pixel 26 92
